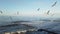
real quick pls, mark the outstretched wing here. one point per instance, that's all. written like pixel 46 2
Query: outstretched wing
pixel 48 12
pixel 54 4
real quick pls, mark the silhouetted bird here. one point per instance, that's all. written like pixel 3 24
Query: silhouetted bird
pixel 1 12
pixel 48 12
pixel 38 9
pixel 17 13
pixel 54 4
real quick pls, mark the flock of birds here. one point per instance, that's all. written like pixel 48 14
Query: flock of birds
pixel 48 12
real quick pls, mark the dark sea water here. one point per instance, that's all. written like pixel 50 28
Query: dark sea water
pixel 50 25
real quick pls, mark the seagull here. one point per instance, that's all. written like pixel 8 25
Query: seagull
pixel 17 13
pixel 54 4
pixel 1 12
pixel 38 9
pixel 48 12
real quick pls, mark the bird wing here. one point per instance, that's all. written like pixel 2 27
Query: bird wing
pixel 48 12
pixel 1 12
pixel 54 4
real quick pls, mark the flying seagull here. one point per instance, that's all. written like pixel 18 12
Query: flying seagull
pixel 38 9
pixel 1 12
pixel 54 4
pixel 17 13
pixel 48 12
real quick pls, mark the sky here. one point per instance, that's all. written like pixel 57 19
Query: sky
pixel 29 7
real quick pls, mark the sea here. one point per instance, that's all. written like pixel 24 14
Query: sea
pixel 47 24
